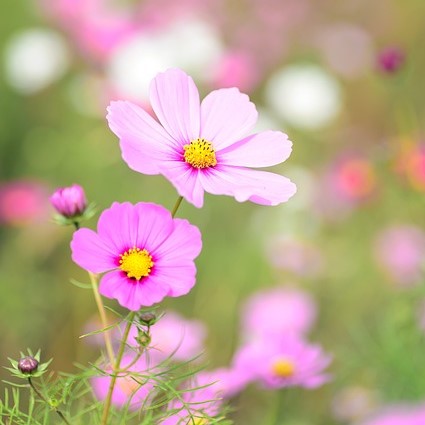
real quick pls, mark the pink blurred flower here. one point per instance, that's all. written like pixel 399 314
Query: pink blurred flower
pixel 146 253
pixel 69 201
pixel 202 148
pixel 236 69
pixel 282 362
pixel 402 414
pixel 276 312
pixel 93 25
pixel 203 397
pixel 400 251
pixel 391 59
pixel 295 255
pixel 22 202
pixel 134 390
pixel 175 336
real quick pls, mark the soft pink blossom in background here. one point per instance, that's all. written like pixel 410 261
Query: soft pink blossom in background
pixel 276 312
pixel 410 164
pixel 401 414
pixel 173 244
pixel 297 256
pixel 391 59
pixel 173 335
pixel 400 252
pixel 282 362
pixel 222 120
pixel 23 202
pixel 127 389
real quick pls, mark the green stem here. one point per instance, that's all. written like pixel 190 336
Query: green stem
pixel 47 401
pixel 176 206
pixel 103 319
pixel 116 369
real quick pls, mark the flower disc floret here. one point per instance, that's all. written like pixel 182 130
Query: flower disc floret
pixel 200 154
pixel 283 368
pixel 160 262
pixel 136 262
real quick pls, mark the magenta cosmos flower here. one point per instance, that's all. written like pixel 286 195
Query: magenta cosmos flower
pixel 202 147
pixel 69 201
pixel 146 254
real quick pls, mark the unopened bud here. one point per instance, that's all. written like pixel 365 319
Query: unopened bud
pixel 147 319
pixel 391 59
pixel 69 201
pixel 143 338
pixel 28 365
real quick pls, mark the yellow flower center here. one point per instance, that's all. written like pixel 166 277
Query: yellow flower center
pixel 136 263
pixel 283 368
pixel 197 421
pixel 200 154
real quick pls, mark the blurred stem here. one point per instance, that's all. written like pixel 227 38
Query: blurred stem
pixel 116 369
pixel 276 415
pixel 47 401
pixel 176 206
pixel 102 314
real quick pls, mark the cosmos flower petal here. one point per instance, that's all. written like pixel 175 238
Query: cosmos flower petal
pixel 226 116
pixel 245 184
pixel 143 141
pixel 123 234
pixel 175 101
pixel 154 225
pixel 180 244
pixel 186 180
pixel 181 278
pixel 91 253
pixel 258 150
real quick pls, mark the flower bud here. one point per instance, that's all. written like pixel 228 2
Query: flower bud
pixel 28 365
pixel 390 60
pixel 147 319
pixel 69 201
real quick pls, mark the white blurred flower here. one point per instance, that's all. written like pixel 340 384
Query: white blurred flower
pixel 191 45
pixel 304 96
pixel 35 58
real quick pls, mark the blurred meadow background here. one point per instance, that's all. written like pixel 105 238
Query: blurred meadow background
pixel 344 79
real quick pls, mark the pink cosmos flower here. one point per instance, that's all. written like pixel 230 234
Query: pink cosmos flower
pixel 202 147
pixel 146 254
pixel 130 388
pixel 282 362
pixel 69 201
pixel 175 336
pixel 276 312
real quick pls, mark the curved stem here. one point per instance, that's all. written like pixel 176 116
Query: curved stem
pixel 103 319
pixel 116 369
pixel 176 206
pixel 47 401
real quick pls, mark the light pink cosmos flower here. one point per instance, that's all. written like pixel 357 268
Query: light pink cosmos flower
pixel 146 253
pixel 276 312
pixel 175 336
pixel 133 389
pixel 202 147
pixel 282 362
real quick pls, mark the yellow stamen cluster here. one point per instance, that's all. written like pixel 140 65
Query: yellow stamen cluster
pixel 283 368
pixel 200 154
pixel 136 262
